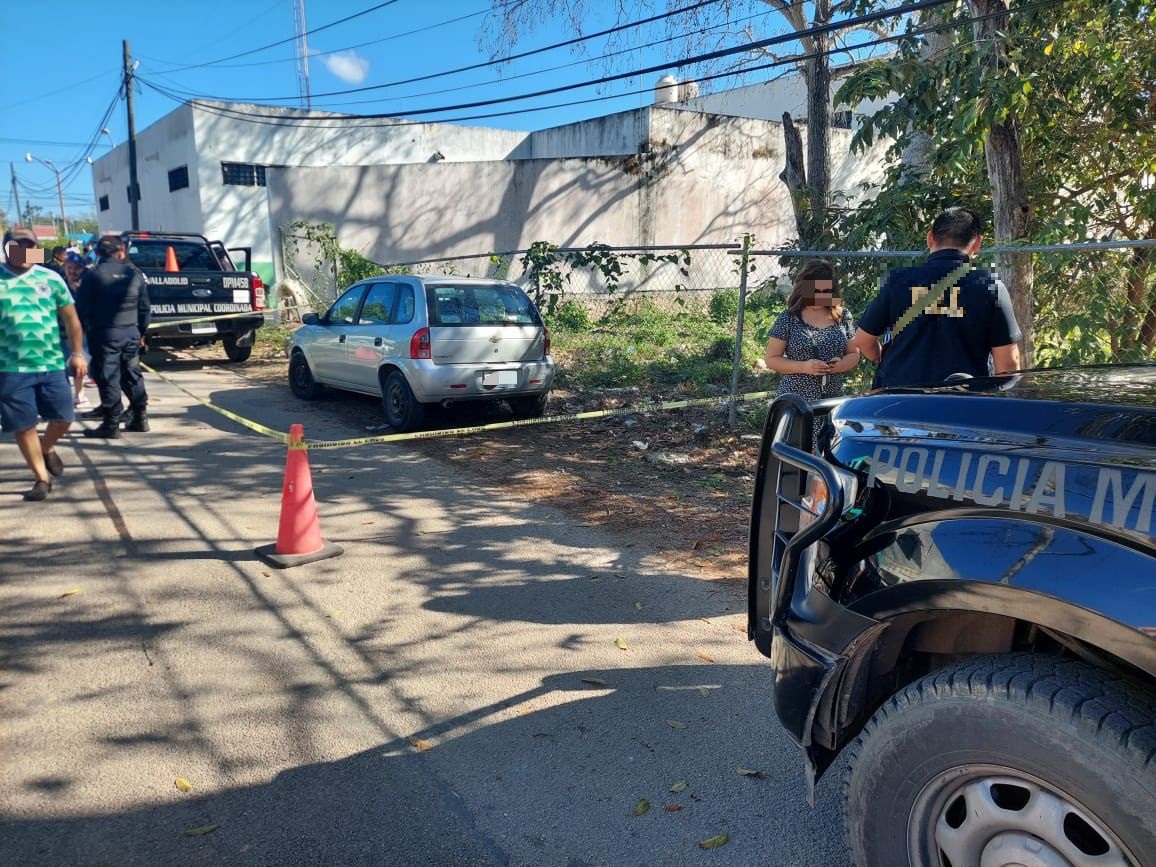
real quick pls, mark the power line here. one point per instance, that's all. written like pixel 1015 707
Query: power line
pixel 854 21
pixel 287 40
pixel 507 79
pixel 176 89
pixel 252 117
pixel 565 44
pixel 353 47
pixel 239 30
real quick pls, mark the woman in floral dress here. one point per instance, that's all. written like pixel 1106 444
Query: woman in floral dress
pixel 808 345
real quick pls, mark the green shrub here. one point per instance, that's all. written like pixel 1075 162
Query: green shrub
pixel 569 316
pixel 724 306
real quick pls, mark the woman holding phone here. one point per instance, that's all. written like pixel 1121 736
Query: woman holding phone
pixel 808 345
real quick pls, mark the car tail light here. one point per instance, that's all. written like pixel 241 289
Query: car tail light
pixel 258 287
pixel 419 344
pixel 545 341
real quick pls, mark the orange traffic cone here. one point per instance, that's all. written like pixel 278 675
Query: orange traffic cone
pixel 299 533
pixel 171 260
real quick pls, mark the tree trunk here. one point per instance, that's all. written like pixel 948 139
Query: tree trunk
pixel 1139 295
pixel 794 175
pixel 1005 171
pixel 917 153
pixel 811 192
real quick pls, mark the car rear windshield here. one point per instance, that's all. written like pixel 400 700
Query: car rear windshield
pixel 151 253
pixel 480 305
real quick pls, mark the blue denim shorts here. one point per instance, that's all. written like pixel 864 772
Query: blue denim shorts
pixel 27 397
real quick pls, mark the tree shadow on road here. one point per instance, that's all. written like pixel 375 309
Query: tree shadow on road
pixel 548 776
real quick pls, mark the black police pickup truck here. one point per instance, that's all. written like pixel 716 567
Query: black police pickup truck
pixel 959 584
pixel 193 278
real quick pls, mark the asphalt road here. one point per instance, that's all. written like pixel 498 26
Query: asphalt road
pixel 449 691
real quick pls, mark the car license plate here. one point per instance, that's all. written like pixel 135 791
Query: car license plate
pixel 204 328
pixel 500 377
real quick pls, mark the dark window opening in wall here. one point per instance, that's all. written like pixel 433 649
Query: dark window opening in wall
pixel 178 178
pixel 242 175
pixel 104 203
pixel 841 119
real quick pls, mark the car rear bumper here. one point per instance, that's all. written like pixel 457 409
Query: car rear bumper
pixel 160 332
pixel 432 383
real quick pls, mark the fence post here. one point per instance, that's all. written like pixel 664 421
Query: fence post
pixel 736 363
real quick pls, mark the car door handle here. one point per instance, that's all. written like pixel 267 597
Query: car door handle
pixel 341 339
pixel 377 341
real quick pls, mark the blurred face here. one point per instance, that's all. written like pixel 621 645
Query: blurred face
pixel 23 254
pixel 72 271
pixel 819 293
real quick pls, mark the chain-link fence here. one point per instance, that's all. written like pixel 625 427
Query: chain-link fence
pixel 684 321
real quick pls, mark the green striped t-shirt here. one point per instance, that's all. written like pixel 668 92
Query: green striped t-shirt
pixel 29 329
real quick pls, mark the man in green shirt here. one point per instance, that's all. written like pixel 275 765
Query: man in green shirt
pixel 33 385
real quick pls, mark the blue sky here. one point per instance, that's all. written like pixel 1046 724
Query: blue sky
pixel 71 73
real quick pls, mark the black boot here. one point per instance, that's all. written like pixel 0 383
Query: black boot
pixel 137 421
pixel 95 412
pixel 109 429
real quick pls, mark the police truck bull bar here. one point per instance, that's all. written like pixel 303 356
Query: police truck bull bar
pixel 800 518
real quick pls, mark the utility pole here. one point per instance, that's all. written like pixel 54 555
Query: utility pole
pixel 302 52
pixel 51 166
pixel 15 190
pixel 133 186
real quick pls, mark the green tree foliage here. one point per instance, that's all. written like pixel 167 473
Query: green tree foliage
pixel 1079 85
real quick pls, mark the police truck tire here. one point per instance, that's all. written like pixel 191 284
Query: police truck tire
pixel 301 381
pixel 403 413
pixel 990 760
pixel 236 354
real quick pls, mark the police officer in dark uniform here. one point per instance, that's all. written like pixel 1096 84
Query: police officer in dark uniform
pixel 113 303
pixel 971 329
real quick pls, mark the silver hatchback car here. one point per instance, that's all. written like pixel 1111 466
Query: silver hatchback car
pixel 417 341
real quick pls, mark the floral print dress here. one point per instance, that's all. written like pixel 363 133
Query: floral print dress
pixel 806 342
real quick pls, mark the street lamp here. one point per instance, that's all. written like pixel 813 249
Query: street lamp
pixel 59 187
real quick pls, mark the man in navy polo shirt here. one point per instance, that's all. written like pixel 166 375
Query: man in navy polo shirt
pixel 971 329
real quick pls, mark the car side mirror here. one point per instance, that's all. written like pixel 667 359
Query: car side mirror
pixel 310 319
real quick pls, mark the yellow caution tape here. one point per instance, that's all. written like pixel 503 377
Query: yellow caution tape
pixel 461 431
pixel 257 427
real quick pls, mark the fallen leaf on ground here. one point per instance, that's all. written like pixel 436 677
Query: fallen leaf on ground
pixel 183 784
pixel 201 831
pixel 675 724
pixel 418 744
pixel 704 657
pixel 715 842
pixel 642 807
pixel 680 786
pixel 621 644
pixel 71 591
pixel 672 808
pixel 704 691
pixel 334 614
pixel 266 574
pixel 638 605
pixel 596 681
pixel 747 772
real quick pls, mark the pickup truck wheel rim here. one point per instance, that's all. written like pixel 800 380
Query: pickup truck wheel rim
pixel 992 816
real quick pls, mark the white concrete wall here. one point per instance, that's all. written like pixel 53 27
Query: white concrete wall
pixel 613 135
pixel 165 145
pixel 769 100
pixel 238 215
pixel 705 179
